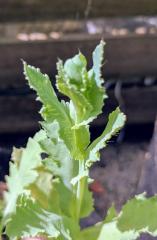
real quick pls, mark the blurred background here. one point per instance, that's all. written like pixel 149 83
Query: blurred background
pixel 40 31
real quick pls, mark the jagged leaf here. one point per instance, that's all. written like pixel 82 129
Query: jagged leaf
pixel 115 123
pixel 91 233
pixel 98 56
pixel 53 109
pixel 61 165
pixel 139 214
pixel 82 105
pixel 31 220
pixel 111 215
pixel 23 171
pixel 1 214
pixel 110 231
pixel 59 161
pixel 51 192
pixel 82 87
pixel 43 190
pixel 108 228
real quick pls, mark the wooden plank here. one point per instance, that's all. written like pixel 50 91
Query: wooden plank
pixel 131 55
pixel 15 10
pixel 42 30
pixel 19 113
pixel 140 104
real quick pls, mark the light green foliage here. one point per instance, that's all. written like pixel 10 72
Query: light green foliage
pixel 83 87
pixel 115 123
pixel 76 140
pixel 1 213
pixel 36 220
pixel 48 190
pixel 59 160
pixel 22 171
pixel 110 231
pixel 140 214
pixel 137 216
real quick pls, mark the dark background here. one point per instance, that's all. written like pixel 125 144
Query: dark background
pixel 40 31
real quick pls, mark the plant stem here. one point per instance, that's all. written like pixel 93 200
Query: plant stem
pixel 80 189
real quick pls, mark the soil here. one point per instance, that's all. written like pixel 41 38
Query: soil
pixel 116 177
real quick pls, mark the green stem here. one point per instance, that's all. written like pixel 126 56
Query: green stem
pixel 80 190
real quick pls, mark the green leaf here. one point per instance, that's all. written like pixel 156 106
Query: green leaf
pixel 22 171
pixel 43 191
pixel 91 233
pixel 59 161
pixel 139 214
pixel 67 203
pixel 98 56
pixel 115 123
pixel 47 188
pixel 64 168
pixel 110 231
pixel 111 214
pixel 81 86
pixel 31 220
pixel 69 89
pixel 53 109
pixel 87 201
pixel 1 215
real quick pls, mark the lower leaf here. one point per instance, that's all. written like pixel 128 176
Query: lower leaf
pixel 31 220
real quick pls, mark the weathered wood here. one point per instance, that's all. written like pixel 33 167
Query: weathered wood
pixel 125 55
pixel 38 9
pixel 19 113
pixel 11 31
pixel 139 104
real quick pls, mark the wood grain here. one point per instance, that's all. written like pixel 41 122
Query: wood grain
pixel 20 113
pixel 124 56
pixel 17 10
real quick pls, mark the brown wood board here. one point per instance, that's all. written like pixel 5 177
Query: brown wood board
pixel 17 10
pixel 124 55
pixel 19 113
